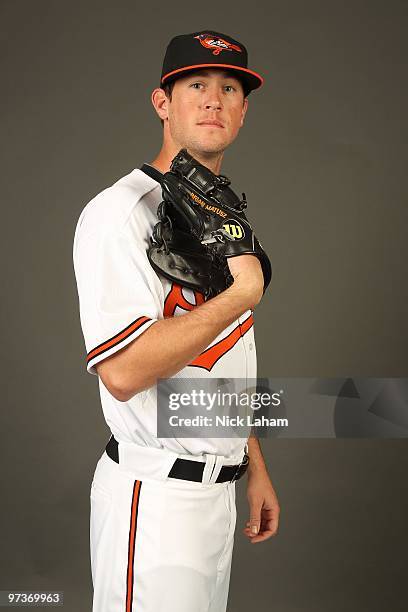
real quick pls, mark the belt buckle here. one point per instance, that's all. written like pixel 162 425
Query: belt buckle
pixel 244 461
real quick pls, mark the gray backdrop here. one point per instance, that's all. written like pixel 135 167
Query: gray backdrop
pixel 322 158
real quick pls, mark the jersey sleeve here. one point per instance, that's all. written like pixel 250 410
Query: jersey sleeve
pixel 118 300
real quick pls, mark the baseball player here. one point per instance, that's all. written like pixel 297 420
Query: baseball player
pixel 163 511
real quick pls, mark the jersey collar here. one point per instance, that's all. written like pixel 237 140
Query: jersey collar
pixel 155 174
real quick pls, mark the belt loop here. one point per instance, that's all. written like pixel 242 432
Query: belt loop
pixel 208 468
pixel 217 467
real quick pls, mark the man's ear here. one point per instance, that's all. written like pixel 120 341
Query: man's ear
pixel 244 110
pixel 160 103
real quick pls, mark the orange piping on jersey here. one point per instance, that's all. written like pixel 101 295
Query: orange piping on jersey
pixel 210 356
pixel 131 549
pixel 176 298
pixel 101 348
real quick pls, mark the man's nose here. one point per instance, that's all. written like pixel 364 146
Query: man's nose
pixel 213 105
pixel 213 100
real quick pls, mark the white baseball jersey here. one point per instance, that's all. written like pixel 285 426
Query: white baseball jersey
pixel 121 296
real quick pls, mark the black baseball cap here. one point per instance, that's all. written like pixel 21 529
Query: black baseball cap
pixel 207 49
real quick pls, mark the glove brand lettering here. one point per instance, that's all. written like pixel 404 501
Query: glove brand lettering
pixel 234 229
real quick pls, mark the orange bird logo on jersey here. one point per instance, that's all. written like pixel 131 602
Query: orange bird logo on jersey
pixel 216 44
pixel 207 359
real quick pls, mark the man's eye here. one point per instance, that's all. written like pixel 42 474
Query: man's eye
pixel 194 84
pixel 230 87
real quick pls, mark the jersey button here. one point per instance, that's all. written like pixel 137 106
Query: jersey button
pixel 251 346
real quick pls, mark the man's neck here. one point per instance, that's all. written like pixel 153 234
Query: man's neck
pixel 163 160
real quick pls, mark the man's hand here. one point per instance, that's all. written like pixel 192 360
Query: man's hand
pixel 263 507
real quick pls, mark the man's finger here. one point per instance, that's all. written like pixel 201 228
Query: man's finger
pixel 255 522
pixel 265 535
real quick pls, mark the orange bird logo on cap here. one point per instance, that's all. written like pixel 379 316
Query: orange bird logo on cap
pixel 216 44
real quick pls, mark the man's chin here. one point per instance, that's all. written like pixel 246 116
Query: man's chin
pixel 208 148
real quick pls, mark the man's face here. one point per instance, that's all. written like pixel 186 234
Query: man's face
pixel 207 110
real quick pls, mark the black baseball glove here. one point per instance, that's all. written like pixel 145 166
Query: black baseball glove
pixel 201 224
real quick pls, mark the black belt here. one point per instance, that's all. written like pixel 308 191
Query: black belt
pixel 190 470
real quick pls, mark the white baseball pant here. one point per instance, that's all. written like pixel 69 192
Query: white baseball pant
pixel 159 544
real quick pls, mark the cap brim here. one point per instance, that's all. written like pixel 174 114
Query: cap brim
pixel 252 80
